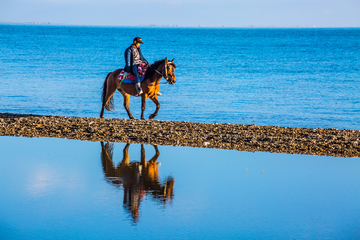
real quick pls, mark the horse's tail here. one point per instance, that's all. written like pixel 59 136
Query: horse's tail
pixel 110 104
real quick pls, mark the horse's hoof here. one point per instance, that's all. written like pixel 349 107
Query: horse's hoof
pixel 152 116
pixel 132 117
pixel 142 118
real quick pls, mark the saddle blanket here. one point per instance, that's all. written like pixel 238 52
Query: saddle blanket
pixel 126 77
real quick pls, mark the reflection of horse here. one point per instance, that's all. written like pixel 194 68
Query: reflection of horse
pixel 137 178
pixel 150 86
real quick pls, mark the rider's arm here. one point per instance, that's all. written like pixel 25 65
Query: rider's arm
pixel 128 60
pixel 142 57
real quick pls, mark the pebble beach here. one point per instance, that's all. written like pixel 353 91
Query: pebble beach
pixel 252 138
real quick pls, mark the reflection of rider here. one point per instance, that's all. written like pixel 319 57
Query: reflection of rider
pixel 136 178
pixel 133 58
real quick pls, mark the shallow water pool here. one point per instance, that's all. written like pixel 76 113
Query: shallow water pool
pixel 70 189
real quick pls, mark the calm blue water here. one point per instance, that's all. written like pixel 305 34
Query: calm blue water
pixel 67 189
pixel 64 189
pixel 284 77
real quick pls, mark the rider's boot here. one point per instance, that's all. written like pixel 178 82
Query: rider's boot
pixel 139 89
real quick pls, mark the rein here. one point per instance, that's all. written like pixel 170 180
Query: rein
pixel 162 74
pixel 159 73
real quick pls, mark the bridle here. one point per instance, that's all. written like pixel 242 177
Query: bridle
pixel 164 74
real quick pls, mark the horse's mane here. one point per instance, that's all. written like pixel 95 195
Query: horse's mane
pixel 157 63
pixel 151 70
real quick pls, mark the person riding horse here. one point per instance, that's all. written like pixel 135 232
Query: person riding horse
pixel 150 85
pixel 133 58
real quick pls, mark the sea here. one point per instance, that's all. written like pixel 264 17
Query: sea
pixel 280 77
pixel 70 189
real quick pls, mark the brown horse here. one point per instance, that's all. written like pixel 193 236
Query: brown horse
pixel 150 86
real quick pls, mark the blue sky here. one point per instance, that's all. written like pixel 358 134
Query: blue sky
pixel 230 13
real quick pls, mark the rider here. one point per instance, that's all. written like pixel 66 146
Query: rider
pixel 134 57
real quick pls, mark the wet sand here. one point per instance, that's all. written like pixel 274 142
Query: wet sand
pixel 253 138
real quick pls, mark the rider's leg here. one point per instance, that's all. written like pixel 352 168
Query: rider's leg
pixel 137 79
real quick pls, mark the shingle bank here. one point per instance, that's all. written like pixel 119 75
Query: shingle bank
pixel 326 142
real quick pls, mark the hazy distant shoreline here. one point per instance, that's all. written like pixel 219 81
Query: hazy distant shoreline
pixel 175 25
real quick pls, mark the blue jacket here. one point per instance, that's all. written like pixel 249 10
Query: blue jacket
pixel 129 58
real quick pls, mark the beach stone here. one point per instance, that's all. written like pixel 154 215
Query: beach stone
pixel 252 138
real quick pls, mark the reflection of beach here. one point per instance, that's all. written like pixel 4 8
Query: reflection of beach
pixel 137 178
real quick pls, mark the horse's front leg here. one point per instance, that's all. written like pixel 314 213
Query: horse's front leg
pixel 155 100
pixel 143 103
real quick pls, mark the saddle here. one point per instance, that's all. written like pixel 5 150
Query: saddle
pixel 126 77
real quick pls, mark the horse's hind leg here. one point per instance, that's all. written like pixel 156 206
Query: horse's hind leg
pixel 126 103
pixel 108 96
pixel 154 99
pixel 102 111
pixel 108 91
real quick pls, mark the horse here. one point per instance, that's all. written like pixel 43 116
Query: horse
pixel 150 85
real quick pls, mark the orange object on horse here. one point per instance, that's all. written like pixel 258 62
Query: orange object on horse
pixel 150 86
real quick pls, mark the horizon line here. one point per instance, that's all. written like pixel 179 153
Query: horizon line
pixel 171 25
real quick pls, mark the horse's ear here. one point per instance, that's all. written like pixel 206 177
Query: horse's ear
pixel 166 60
pixel 172 60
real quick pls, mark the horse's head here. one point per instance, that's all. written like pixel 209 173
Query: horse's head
pixel 169 74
